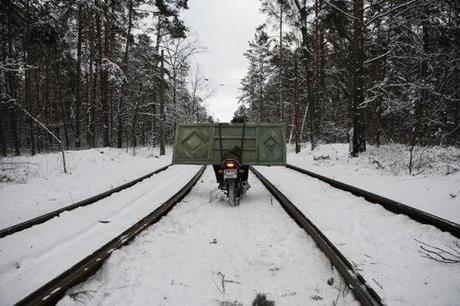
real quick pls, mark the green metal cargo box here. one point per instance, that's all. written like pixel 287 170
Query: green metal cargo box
pixel 210 143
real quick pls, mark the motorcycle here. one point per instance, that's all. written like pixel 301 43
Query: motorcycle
pixel 232 177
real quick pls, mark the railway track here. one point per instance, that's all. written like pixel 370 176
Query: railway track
pixel 388 204
pixel 207 238
pixel 53 290
pixel 363 292
pixel 43 218
pixel 390 250
pixel 46 254
pixel 49 293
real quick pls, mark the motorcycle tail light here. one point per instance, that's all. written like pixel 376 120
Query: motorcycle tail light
pixel 230 165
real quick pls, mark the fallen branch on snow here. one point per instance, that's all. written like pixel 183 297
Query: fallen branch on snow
pixel 223 281
pixel 438 254
pixel 80 295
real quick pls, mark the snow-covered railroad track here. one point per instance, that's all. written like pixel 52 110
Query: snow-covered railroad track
pixel 205 252
pixel 45 256
pixel 43 218
pixel 408 263
pixel 391 205
pixel 362 290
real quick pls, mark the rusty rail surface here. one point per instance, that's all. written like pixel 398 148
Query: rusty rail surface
pixel 391 205
pixel 51 292
pixel 360 288
pixel 43 218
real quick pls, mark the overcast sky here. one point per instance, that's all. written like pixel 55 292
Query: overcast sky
pixel 224 27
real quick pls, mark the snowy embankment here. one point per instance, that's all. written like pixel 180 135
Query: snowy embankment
pixel 205 252
pixel 34 185
pixel 434 186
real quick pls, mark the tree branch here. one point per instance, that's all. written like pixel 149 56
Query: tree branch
pixel 387 12
pixel 340 10
pixel 46 129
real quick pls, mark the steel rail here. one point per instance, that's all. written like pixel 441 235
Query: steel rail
pixel 43 218
pixel 391 205
pixel 360 288
pixel 51 292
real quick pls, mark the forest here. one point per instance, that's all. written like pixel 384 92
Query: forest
pixel 81 74
pixel 360 71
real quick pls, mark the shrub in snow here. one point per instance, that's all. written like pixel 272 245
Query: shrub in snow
pixel 390 158
pixel 261 300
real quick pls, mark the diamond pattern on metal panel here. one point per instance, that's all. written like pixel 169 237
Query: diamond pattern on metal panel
pixel 271 143
pixel 270 148
pixel 193 143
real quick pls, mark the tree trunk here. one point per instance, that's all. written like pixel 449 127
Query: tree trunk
pixel 12 89
pixel 2 132
pixel 4 94
pixel 106 51
pixel 296 105
pixel 39 146
pixel 63 108
pixel 154 126
pixel 377 75
pixel 98 76
pixel 125 72
pixel 281 66
pixel 47 100
pixel 261 98
pixel 162 107
pixel 359 141
pixel 78 79
pixel 303 14
pixel 14 131
pixel 134 123
pixel 317 82
pixel 89 84
pixel 174 79
pixel 28 81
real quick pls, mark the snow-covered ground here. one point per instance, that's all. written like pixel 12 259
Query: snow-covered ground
pixel 183 259
pixel 32 257
pixel 384 170
pixel 383 246
pixel 33 185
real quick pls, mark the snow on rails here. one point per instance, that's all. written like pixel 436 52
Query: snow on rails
pixel 39 256
pixel 43 218
pixel 391 205
pixel 403 258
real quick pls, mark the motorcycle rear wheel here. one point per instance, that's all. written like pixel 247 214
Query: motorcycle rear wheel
pixel 233 196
